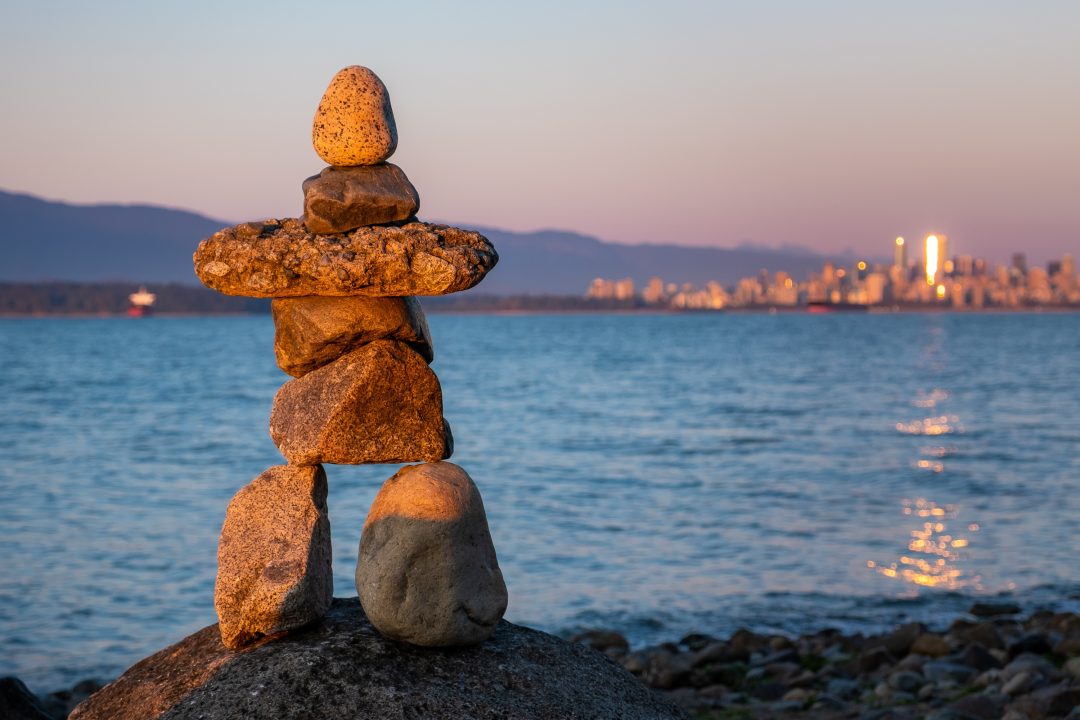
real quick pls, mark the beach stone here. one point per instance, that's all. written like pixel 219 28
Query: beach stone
pixel 941 671
pixel 18 703
pixel 380 403
pixel 1019 684
pixel 341 199
pixel 274 556
pixel 342 668
pixel 993 609
pixel 354 123
pixel 281 258
pixel 1072 667
pixel 931 645
pixel 310 332
pixel 427 572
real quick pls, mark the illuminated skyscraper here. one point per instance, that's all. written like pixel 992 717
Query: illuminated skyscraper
pixel 935 254
pixel 900 253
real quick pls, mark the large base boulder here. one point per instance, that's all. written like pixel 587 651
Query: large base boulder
pixel 274 556
pixel 343 668
pixel 380 403
pixel 427 572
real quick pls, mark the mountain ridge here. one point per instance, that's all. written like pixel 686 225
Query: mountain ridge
pixel 47 240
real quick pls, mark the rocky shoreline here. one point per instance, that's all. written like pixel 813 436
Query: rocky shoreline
pixel 991 663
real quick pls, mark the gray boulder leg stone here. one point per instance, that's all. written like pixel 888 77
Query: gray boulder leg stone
pixel 380 403
pixel 427 572
pixel 274 556
pixel 310 332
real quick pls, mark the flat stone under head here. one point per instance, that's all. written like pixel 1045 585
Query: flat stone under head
pixel 427 572
pixel 274 556
pixel 354 123
pixel 281 258
pixel 310 332
pixel 340 199
pixel 380 403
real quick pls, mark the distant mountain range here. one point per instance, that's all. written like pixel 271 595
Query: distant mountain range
pixel 53 241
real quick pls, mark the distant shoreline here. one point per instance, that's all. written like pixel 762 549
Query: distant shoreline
pixel 578 311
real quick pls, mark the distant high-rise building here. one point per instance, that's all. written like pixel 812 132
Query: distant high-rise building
pixel 1019 263
pixel 935 253
pixel 900 253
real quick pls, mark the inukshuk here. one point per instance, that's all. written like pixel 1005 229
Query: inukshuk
pixel 347 326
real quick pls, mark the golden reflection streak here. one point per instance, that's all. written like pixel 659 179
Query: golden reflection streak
pixel 932 559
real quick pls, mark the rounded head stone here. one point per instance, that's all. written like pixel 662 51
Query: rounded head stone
pixel 354 123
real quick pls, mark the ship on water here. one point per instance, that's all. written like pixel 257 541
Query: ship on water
pixel 141 303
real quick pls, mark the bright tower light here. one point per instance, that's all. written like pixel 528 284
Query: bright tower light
pixel 931 258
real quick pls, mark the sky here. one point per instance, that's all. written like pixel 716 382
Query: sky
pixel 829 125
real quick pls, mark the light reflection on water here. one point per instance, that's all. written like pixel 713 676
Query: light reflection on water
pixel 934 554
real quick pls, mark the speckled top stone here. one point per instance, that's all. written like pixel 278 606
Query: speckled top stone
pixel 354 124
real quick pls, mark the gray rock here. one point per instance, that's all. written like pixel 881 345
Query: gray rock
pixel 1072 667
pixel 427 572
pixel 941 671
pixel 282 259
pixel 994 609
pixel 342 668
pixel 1019 683
pixel 982 706
pixel 274 556
pixel 310 332
pixel 844 688
pixel 906 681
pixel 931 645
pixel 341 199
pixel 354 123
pixel 381 403
pixel 1033 664
pixel 18 703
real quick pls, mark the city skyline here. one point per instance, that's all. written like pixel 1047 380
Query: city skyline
pixel 933 279
pixel 829 126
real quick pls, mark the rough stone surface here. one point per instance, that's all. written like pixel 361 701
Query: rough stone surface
pixel 427 572
pixel 342 668
pixel 341 199
pixel 381 403
pixel 310 332
pixel 354 123
pixel 274 556
pixel 280 258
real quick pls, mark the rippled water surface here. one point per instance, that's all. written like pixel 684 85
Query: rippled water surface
pixel 651 473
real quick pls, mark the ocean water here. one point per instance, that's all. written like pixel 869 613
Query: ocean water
pixel 655 474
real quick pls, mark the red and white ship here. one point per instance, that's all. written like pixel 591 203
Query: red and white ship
pixel 141 303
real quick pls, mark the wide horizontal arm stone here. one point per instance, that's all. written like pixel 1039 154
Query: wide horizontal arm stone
pixel 280 258
pixel 311 331
pixel 274 556
pixel 341 199
pixel 381 403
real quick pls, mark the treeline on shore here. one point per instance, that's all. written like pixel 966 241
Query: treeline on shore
pixel 71 298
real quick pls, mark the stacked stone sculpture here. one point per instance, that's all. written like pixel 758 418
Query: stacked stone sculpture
pixel 349 329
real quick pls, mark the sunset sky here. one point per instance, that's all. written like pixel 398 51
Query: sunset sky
pixel 829 124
